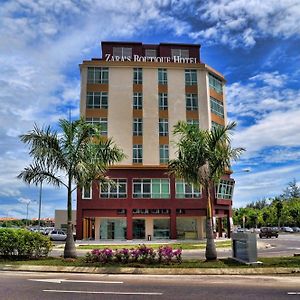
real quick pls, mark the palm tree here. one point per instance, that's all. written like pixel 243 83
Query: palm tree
pixel 203 158
pixel 76 155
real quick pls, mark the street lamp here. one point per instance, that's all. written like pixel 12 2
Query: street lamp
pixel 40 205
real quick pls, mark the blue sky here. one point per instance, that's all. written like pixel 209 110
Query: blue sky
pixel 255 44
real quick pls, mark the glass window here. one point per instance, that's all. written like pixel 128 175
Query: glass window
pixel 163 153
pixel 137 75
pixel 151 188
pixel 97 100
pixel 97 75
pixel 163 101
pixel 137 155
pixel 162 76
pixel 87 192
pixel 216 125
pixel 184 53
pixel 163 127
pixel 137 126
pixel 191 101
pixel 217 107
pixel 137 101
pixel 184 190
pixel 161 228
pixel 190 77
pixel 150 52
pixel 118 190
pixel 215 83
pixel 122 51
pixel 193 122
pixel 224 189
pixel 102 122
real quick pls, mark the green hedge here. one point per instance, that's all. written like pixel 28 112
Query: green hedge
pixel 24 243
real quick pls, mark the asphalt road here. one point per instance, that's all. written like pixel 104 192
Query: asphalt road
pixel 284 245
pixel 31 286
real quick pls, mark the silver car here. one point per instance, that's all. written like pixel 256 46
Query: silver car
pixel 57 235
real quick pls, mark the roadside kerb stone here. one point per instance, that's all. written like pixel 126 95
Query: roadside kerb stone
pixel 153 271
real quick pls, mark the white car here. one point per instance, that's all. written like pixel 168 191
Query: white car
pixel 57 235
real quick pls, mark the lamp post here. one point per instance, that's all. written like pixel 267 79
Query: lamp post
pixel 40 205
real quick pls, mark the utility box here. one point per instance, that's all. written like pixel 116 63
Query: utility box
pixel 244 248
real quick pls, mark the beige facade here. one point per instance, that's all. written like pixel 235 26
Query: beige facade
pixel 61 219
pixel 120 107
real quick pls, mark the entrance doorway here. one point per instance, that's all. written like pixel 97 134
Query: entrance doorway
pixel 110 230
pixel 138 229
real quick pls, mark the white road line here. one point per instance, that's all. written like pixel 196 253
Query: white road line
pixel 106 293
pixel 54 280
pixel 293 293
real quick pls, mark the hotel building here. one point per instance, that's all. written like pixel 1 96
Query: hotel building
pixel 138 92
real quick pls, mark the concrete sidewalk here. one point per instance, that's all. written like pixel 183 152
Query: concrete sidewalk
pixel 154 271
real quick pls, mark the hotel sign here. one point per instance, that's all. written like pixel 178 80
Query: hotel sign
pixel 159 59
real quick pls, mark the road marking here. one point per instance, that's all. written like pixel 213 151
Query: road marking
pixel 78 281
pixel 106 293
pixel 293 293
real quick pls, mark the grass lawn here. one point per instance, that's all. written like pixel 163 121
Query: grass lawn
pixel 221 263
pixel 184 246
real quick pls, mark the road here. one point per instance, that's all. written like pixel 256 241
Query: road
pixel 284 245
pixel 31 286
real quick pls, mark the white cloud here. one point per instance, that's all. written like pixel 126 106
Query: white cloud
pixel 261 184
pixel 243 22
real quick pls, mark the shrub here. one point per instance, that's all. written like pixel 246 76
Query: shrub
pixel 141 254
pixel 21 242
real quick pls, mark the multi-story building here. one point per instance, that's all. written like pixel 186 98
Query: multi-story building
pixel 138 92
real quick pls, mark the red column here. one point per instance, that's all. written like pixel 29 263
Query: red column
pixel 173 224
pixel 129 224
pixel 79 213
pixel 220 227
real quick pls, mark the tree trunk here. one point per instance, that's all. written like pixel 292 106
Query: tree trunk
pixel 210 251
pixel 70 249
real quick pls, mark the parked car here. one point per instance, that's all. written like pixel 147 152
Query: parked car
pixel 296 229
pixel 268 232
pixel 287 229
pixel 57 235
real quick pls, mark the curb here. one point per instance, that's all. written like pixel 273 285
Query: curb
pixel 154 271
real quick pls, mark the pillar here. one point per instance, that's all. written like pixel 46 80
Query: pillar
pixel 173 224
pixel 220 227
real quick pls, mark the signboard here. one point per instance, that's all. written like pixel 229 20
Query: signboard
pixel 158 59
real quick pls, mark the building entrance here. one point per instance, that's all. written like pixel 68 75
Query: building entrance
pixel 138 229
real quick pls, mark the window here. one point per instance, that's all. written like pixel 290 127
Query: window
pixel 216 125
pixel 191 101
pixel 184 53
pixel 215 83
pixel 217 107
pixel 163 153
pixel 87 192
pixel 162 76
pixel 137 75
pixel 97 100
pixel 137 155
pixel 193 122
pixel 151 188
pixel 137 126
pixel 190 77
pixel 122 51
pixel 163 101
pixel 163 127
pixel 102 122
pixel 224 190
pixel 117 190
pixel 137 101
pixel 97 75
pixel 150 52
pixel 184 190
